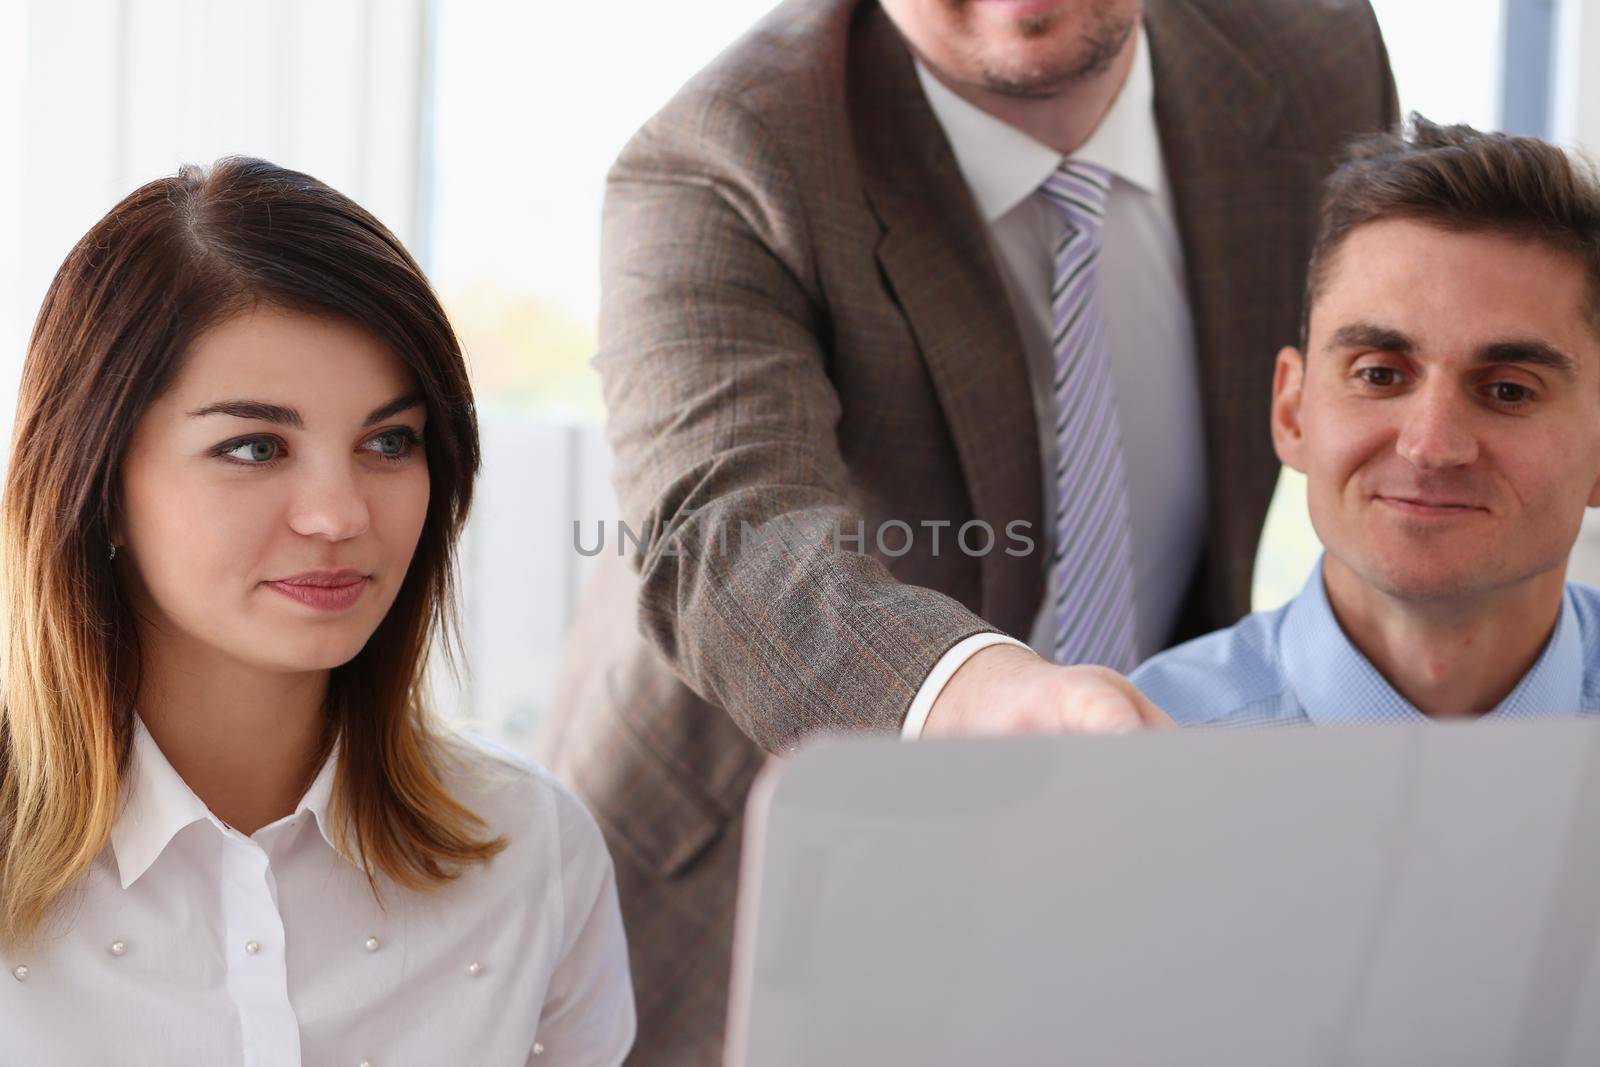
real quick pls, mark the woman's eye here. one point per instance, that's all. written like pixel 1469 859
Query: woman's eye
pixel 393 444
pixel 1382 377
pixel 256 451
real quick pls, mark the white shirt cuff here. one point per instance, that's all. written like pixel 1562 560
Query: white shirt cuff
pixel 934 684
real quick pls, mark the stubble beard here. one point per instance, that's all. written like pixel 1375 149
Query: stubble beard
pixel 1099 46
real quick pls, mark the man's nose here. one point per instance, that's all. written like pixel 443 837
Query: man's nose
pixel 1437 430
pixel 330 503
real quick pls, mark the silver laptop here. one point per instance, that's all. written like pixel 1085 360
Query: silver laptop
pixel 1319 897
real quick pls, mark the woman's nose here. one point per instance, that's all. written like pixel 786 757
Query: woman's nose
pixel 330 504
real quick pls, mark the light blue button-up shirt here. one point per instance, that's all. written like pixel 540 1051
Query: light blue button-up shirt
pixel 1295 666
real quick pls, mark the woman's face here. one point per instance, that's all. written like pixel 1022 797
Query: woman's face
pixel 274 494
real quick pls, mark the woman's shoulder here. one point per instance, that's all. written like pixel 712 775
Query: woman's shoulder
pixel 519 800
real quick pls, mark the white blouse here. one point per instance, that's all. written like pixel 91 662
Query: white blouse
pixel 190 943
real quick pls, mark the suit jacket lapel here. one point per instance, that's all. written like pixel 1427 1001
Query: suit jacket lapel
pixel 1244 190
pixel 936 259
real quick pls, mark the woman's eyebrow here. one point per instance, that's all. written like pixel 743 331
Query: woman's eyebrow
pixel 261 411
pixel 394 407
pixel 252 409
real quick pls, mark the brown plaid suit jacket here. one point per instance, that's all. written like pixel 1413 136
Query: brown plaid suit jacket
pixel 802 328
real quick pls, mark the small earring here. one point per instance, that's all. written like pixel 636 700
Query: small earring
pixel 113 553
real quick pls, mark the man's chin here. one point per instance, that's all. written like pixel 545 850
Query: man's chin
pixel 1025 85
pixel 1428 588
pixel 1433 579
pixel 1042 55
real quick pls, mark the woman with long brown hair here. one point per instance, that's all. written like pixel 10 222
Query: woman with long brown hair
pixel 229 832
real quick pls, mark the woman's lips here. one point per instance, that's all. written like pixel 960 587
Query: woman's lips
pixel 334 591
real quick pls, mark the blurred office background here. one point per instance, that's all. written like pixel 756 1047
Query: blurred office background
pixel 480 131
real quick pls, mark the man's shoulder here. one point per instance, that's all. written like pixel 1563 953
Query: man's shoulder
pixel 1274 33
pixel 502 787
pixel 795 57
pixel 1324 59
pixel 1226 678
pixel 1585 601
pixel 771 104
pixel 1242 19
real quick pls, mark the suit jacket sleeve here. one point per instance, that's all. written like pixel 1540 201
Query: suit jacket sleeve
pixel 722 420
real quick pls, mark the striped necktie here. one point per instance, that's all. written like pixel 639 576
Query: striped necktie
pixel 1092 589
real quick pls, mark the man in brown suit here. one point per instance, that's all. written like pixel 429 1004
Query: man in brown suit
pixel 819 333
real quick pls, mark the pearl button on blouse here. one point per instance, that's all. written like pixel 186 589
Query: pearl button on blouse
pixel 537 926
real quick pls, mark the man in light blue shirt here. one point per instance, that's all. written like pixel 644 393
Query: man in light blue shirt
pixel 1445 409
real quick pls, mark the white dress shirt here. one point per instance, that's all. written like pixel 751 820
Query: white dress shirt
pixel 189 943
pixel 1149 336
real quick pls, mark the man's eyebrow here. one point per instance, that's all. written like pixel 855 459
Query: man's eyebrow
pixel 394 407
pixel 1370 335
pixel 1528 350
pixel 252 409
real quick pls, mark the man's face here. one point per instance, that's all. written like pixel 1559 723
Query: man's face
pixel 1447 412
pixel 1016 47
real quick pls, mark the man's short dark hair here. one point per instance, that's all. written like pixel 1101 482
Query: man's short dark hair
pixel 1462 179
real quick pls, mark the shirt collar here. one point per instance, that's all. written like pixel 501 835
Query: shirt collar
pixel 1004 166
pixel 1335 684
pixel 318 799
pixel 158 804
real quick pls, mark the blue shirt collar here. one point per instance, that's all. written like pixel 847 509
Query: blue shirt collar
pixel 1335 684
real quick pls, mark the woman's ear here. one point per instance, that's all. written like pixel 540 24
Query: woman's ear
pixel 1288 384
pixel 115 532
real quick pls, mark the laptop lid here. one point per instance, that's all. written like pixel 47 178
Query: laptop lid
pixel 1333 896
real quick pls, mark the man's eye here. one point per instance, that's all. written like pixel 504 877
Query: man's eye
pixel 1510 393
pixel 1382 377
pixel 255 451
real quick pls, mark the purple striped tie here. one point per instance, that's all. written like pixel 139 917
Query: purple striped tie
pixel 1093 565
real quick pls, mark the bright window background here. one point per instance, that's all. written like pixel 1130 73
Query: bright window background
pixel 533 102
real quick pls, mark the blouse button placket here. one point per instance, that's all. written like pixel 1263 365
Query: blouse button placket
pixel 257 977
